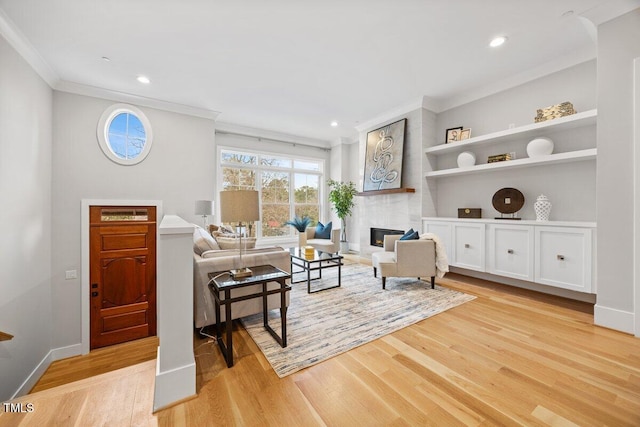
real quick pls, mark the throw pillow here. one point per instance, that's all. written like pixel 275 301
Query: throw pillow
pixel 323 231
pixel 410 235
pixel 203 241
pixel 234 243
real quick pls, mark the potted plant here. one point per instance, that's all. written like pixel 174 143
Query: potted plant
pixel 341 196
pixel 301 225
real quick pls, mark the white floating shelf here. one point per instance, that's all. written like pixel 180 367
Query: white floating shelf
pixel 533 130
pixel 572 156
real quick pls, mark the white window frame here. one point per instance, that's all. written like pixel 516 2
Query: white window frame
pixel 292 171
pixel 102 132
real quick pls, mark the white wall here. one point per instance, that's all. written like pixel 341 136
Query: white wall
pixel 571 187
pixel 25 220
pixel 179 170
pixel 617 47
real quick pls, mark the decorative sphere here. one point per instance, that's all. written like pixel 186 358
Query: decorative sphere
pixel 540 147
pixel 466 159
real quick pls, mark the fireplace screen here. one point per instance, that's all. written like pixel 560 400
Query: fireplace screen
pixel 377 235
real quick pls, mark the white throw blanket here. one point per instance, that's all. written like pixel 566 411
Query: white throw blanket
pixel 442 263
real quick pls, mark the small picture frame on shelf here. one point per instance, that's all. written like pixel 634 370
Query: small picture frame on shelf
pixel 464 134
pixel 453 134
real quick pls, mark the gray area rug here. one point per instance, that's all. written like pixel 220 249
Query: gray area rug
pixel 324 324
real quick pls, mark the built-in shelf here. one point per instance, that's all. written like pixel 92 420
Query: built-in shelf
pixel 386 191
pixel 572 156
pixel 573 121
pixel 5 336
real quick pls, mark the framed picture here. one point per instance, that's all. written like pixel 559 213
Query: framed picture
pixel 453 135
pixel 465 134
pixel 383 158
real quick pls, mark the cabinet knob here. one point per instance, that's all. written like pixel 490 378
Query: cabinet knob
pixel 467 246
pixel 510 251
pixel 560 257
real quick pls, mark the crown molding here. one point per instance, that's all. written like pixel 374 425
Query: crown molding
pixel 236 129
pixel 21 44
pixel 610 10
pixel 112 95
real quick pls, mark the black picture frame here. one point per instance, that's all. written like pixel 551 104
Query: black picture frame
pixel 452 135
pixel 383 157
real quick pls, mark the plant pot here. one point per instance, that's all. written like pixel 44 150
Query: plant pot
pixel 344 247
pixel 302 238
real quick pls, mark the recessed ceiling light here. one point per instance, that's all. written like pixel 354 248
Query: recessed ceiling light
pixel 144 79
pixel 498 41
pixel 334 124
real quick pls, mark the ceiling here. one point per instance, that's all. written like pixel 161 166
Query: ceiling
pixel 294 66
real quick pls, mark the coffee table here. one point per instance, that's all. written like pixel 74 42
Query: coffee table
pixel 222 282
pixel 317 263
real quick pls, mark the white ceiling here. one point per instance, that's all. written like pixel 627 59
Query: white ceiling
pixel 293 66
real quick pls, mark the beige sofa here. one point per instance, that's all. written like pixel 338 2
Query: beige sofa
pixel 331 246
pixel 218 260
pixel 405 258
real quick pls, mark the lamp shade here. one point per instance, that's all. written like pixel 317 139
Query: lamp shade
pixel 204 207
pixel 239 206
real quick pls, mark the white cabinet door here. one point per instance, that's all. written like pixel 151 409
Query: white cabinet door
pixel 469 246
pixel 443 231
pixel 564 258
pixel 510 251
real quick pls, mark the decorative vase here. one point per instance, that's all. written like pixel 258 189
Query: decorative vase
pixel 302 239
pixel 540 147
pixel 466 159
pixel 542 206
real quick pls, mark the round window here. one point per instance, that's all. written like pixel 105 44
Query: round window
pixel 124 134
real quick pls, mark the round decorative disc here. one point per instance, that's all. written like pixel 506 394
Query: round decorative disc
pixel 508 200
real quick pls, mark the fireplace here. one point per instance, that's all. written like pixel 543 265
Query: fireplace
pixel 377 235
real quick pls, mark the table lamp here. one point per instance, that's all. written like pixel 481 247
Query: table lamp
pixel 204 208
pixel 240 206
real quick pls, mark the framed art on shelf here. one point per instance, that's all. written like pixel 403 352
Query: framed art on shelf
pixel 453 134
pixel 465 134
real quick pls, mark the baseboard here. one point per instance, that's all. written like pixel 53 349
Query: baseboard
pixel 39 370
pixel 174 385
pixel 613 318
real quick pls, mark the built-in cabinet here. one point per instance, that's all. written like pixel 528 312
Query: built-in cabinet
pixel 559 254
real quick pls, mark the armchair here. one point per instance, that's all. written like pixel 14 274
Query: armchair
pixel 405 258
pixel 331 246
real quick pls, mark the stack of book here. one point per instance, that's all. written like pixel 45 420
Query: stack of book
pixel 554 112
pixel 308 252
pixel 499 158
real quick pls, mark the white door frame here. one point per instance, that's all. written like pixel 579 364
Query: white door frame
pixel 84 236
pixel 636 194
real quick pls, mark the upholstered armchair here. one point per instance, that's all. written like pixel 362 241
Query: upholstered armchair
pixel 330 246
pixel 405 258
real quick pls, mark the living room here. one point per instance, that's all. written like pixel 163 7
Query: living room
pixel 57 163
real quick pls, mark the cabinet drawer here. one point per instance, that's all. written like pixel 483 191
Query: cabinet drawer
pixel 510 251
pixel 564 258
pixel 469 246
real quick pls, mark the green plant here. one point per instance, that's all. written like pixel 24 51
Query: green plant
pixel 299 224
pixel 341 196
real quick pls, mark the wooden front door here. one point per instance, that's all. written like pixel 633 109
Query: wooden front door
pixel 122 273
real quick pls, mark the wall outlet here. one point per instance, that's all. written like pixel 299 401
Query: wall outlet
pixel 71 274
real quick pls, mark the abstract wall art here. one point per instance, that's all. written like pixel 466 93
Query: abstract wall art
pixel 383 158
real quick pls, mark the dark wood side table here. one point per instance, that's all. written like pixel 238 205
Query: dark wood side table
pixel 224 283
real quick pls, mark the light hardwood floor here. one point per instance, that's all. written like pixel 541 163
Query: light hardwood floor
pixel 510 357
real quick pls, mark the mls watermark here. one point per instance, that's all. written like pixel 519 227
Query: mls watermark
pixel 20 408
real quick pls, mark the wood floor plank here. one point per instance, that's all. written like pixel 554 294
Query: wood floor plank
pixel 509 357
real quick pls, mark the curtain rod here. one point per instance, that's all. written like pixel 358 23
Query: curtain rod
pixel 260 138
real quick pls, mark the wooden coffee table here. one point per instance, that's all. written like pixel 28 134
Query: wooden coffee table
pixel 317 263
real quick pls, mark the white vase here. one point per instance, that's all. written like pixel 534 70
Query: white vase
pixel 302 238
pixel 466 159
pixel 540 147
pixel 542 206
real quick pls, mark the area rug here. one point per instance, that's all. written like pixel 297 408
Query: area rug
pixel 324 324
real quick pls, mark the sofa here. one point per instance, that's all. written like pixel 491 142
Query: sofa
pixel 208 257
